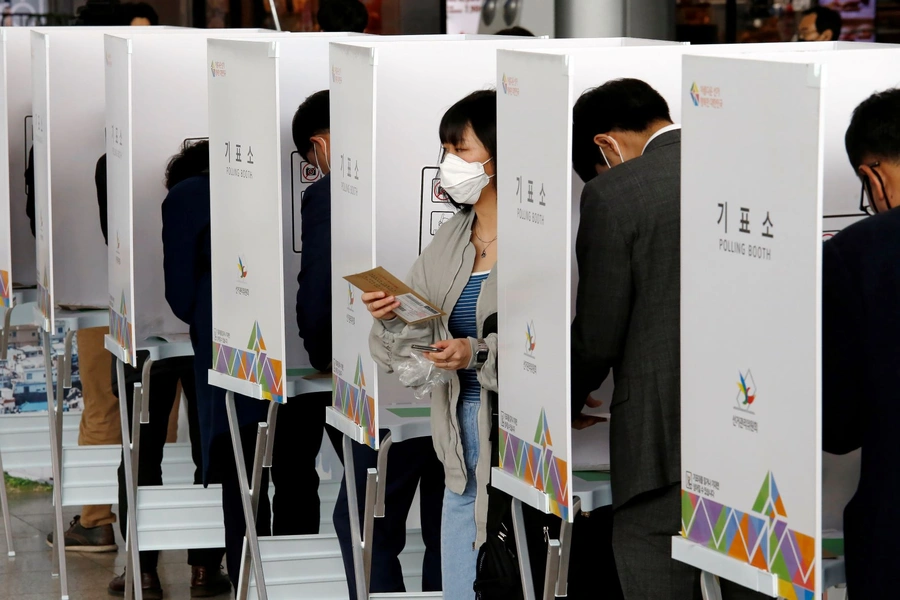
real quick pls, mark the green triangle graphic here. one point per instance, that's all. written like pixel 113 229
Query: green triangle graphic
pixel 538 434
pixel 763 497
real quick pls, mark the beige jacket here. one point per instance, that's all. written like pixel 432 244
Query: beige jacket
pixel 440 274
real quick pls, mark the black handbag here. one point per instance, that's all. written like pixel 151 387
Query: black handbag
pixel 497 574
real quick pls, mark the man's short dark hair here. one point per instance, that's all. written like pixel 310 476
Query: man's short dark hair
pixel 826 19
pixel 618 105
pixel 193 160
pixel 518 31
pixel 874 130
pixel 342 15
pixel 312 118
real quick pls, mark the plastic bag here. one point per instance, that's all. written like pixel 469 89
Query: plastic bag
pixel 420 374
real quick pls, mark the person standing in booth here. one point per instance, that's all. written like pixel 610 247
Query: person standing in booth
pixel 413 463
pixel 819 24
pixel 206 563
pixel 457 272
pixel 860 348
pixel 628 151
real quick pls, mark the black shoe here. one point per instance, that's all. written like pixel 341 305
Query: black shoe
pixel 87 539
pixel 207 582
pixel 149 584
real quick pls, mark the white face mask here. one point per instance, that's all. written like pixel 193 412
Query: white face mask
pixel 463 181
pixel 619 152
pixel 316 154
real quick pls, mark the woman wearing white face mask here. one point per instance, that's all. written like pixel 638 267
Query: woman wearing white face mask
pixel 457 272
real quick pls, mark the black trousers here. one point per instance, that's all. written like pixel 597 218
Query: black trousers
pixel 412 464
pixel 591 564
pixel 298 437
pixel 164 378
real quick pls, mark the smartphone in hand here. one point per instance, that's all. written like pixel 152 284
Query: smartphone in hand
pixel 422 348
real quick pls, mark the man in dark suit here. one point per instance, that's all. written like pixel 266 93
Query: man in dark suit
pixel 627 320
pixel 860 348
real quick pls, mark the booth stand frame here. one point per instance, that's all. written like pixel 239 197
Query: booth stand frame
pixel 400 429
pixel 251 556
pixel 588 496
pixel 72 321
pixel 131 439
pixel 21 296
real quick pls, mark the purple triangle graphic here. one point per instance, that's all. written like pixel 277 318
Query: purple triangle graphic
pixel 700 530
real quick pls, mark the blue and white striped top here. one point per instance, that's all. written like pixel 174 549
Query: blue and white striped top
pixel 463 324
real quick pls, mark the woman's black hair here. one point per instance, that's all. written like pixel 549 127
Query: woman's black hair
pixel 136 10
pixel 193 160
pixel 478 110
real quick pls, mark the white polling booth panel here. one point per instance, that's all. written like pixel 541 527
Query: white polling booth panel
pixel 549 82
pixel 5 214
pixel 387 102
pixel 15 46
pixel 843 85
pixel 269 78
pixel 751 267
pixel 156 104
pixel 68 95
pixel 16 56
pixel 245 165
pixel 256 340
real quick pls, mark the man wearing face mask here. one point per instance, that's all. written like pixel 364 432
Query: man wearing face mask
pixel 860 351
pixel 412 461
pixel 627 149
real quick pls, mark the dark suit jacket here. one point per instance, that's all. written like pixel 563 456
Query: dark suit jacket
pixel 100 182
pixel 627 313
pixel 187 264
pixel 861 391
pixel 314 294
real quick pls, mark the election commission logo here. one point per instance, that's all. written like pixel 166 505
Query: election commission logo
pixel 530 340
pixel 242 267
pixel 746 391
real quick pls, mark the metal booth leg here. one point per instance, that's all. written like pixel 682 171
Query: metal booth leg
pixel 551 572
pixel 256 477
pixel 248 500
pixel 130 445
pixel 518 522
pixel 359 572
pixel 565 553
pixel 4 505
pixel 4 501
pixel 709 586
pixel 54 413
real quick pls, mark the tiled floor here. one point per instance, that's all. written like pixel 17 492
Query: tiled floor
pixel 27 576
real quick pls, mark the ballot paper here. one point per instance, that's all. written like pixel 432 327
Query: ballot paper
pixel 590 448
pixel 413 307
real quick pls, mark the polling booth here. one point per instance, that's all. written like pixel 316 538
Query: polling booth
pixel 543 462
pixel 68 107
pixel 156 106
pixel 386 105
pixel 755 506
pixel 387 102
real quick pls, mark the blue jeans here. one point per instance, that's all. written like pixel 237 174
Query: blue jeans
pixel 458 531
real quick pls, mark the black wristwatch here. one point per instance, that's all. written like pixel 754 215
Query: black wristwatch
pixel 481 353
